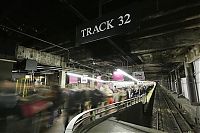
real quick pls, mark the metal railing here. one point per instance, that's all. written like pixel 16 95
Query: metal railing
pixel 85 118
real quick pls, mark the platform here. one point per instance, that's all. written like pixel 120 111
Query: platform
pixel 58 126
pixel 112 125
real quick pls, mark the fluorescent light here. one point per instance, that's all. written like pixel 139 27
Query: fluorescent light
pixel 47 73
pixel 99 80
pixel 56 69
pixel 27 76
pixel 93 79
pixel 53 67
pixel 127 75
pixel 83 76
pixel 39 68
pixel 6 60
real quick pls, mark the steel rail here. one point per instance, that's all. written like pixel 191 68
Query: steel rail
pixel 175 117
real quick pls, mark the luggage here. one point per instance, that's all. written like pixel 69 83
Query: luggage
pixel 30 109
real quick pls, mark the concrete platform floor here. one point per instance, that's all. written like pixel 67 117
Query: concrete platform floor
pixel 114 126
pixel 58 126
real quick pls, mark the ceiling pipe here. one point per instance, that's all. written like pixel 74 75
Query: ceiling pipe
pixel 161 13
pixel 184 20
pixel 66 42
pixel 33 37
pixel 41 40
pixel 126 62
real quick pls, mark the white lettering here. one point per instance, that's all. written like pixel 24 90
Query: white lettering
pixel 83 32
pixel 121 20
pixel 128 20
pixel 95 30
pixel 109 25
pixel 100 28
pixel 89 31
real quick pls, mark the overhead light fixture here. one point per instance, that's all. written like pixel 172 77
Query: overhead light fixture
pixel 47 73
pixel 127 75
pixel 40 68
pixel 84 76
pixel 6 60
pixel 56 69
pixel 93 79
pixel 103 81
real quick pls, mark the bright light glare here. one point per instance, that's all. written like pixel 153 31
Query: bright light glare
pixel 80 76
pixel 127 75
pixel 93 79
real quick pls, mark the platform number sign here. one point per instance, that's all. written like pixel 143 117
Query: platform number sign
pixel 115 23
pixel 139 75
pixel 126 19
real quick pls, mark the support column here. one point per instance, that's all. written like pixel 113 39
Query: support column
pixel 192 90
pixel 62 79
pixel 171 82
pixel 178 78
pixel 45 79
pixel 176 81
pixel 92 82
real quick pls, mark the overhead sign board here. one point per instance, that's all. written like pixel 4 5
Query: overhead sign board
pixel 115 23
pixel 84 80
pixel 139 75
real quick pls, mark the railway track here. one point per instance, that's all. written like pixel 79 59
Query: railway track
pixel 169 117
pixel 158 124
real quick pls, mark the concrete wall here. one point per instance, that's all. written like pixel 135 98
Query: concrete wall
pixel 139 114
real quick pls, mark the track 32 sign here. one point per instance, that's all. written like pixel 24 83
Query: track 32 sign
pixel 115 23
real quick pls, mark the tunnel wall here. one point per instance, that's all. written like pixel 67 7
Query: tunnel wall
pixel 139 114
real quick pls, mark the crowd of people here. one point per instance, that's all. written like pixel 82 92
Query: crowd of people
pixel 70 102
pixel 79 100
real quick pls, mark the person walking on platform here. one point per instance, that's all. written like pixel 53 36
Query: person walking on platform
pixel 57 99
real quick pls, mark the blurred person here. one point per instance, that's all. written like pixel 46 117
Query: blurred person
pixel 8 98
pixel 96 97
pixel 123 94
pixel 8 105
pixel 7 86
pixel 56 97
pixel 74 104
pixel 116 95
pixel 87 105
pixel 110 99
pixel 128 93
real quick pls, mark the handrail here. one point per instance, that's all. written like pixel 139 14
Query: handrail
pixel 92 115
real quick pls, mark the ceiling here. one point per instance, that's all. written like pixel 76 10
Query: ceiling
pixel 164 32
